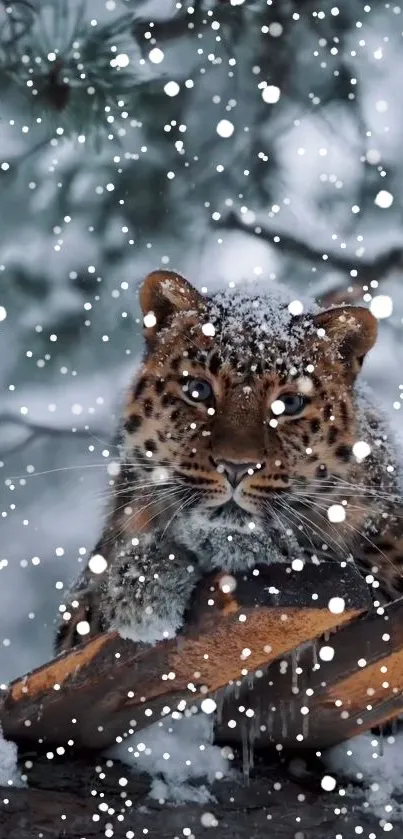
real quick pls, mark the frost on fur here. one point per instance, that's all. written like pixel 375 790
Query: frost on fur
pixel 149 630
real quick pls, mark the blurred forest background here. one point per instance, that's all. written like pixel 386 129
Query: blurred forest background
pixel 231 141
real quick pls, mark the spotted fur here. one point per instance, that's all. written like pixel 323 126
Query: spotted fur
pixel 174 513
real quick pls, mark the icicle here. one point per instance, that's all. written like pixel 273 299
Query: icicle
pixel 255 725
pixel 250 681
pixel 229 689
pixel 283 717
pixel 252 737
pixel 315 654
pixel 270 721
pixel 219 699
pixel 381 740
pixel 246 764
pixel 237 689
pixel 305 725
pixel 294 665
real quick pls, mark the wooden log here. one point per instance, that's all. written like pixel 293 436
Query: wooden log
pixel 319 703
pixel 103 688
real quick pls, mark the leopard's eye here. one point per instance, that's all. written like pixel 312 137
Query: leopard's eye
pixel 198 390
pixel 293 403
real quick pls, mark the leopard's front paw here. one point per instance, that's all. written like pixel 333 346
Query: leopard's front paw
pixel 148 626
pixel 147 595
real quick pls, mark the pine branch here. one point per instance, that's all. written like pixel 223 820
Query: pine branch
pixel 75 77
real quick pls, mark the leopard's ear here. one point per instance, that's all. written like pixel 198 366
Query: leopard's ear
pixel 352 331
pixel 163 294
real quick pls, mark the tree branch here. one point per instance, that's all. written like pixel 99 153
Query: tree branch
pixel 38 429
pixel 368 270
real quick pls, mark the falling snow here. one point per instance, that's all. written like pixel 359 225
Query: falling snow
pixel 336 605
pixel 328 783
pixel 97 564
pixel 149 320
pixel 208 329
pixel 277 407
pixel 296 307
pixel 156 55
pixel 326 653
pixel 361 450
pixel 171 88
pixel 384 199
pixel 215 167
pixel 336 513
pixel 381 306
pixel 271 94
pixel 225 128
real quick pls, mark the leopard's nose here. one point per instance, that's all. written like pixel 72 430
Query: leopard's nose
pixel 234 471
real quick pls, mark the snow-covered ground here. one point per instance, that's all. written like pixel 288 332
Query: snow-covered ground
pixel 179 756
pixel 375 764
pixel 9 774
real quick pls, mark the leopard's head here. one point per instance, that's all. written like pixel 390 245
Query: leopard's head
pixel 242 404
